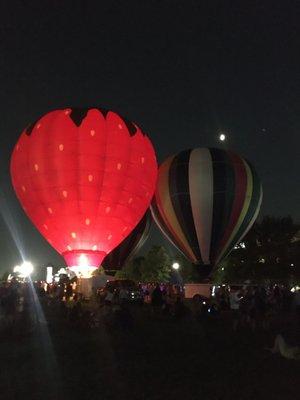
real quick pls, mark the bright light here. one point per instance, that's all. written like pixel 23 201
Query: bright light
pixel 222 137
pixel 292 265
pixel 62 271
pixel 83 270
pixel 295 289
pixel 222 268
pixel 175 265
pixel 240 245
pixel 17 268
pixel 24 270
pixel 49 275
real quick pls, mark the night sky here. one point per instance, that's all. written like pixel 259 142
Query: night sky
pixel 183 70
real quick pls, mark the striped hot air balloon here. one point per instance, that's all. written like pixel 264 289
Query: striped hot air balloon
pixel 117 258
pixel 206 200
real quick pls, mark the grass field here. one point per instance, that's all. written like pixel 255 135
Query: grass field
pixel 156 358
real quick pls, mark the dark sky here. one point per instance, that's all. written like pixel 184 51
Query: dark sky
pixel 183 70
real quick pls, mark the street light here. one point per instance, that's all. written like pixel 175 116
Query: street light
pixel 175 265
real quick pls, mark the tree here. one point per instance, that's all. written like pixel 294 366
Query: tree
pixel 132 270
pixel 269 253
pixel 157 265
pixel 154 267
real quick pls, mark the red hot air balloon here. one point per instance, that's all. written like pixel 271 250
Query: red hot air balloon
pixel 85 178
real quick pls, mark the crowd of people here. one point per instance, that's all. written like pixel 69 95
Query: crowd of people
pixel 246 306
pixel 254 306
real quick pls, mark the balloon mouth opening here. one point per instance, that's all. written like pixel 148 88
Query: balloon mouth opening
pixel 83 262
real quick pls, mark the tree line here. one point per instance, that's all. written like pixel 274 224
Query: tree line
pixel 270 252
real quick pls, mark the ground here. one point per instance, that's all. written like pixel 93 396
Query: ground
pixel 157 358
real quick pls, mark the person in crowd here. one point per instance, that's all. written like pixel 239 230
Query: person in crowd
pixel 156 298
pixel 259 309
pixel 10 303
pixel 179 310
pixel 222 299
pixel 109 297
pixel 234 299
pixel 285 350
pixel 123 295
pixel 69 291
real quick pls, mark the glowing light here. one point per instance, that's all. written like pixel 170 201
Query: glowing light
pixel 49 275
pixel 175 265
pixel 83 261
pixel 213 292
pixel 62 271
pixel 222 137
pixel 84 272
pixel 84 269
pixel 24 269
pixel 17 268
pixel 295 289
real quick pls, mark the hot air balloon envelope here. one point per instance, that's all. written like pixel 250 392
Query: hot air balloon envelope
pixel 117 258
pixel 206 200
pixel 85 178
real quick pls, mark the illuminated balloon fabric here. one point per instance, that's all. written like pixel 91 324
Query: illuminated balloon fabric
pixel 85 177
pixel 206 200
pixel 117 258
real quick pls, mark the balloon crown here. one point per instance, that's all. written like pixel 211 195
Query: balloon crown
pixel 77 115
